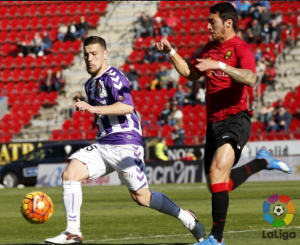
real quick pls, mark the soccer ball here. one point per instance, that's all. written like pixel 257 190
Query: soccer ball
pixel 278 210
pixel 37 207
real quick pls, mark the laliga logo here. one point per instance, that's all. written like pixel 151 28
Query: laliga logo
pixel 278 210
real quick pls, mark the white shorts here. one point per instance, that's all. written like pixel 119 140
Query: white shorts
pixel 127 160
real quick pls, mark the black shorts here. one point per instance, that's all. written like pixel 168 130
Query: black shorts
pixel 235 130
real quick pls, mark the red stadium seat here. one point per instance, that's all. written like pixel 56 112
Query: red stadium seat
pixel 37 74
pixel 56 134
pixel 67 125
pixel 32 10
pixel 68 59
pixel 18 62
pixel 63 9
pixel 42 97
pixel 34 22
pixel 52 96
pixel 76 46
pixel 83 8
pixel 6 76
pixel 43 8
pixel 16 75
pixel 35 109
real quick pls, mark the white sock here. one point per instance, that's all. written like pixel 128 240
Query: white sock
pixel 72 195
pixel 163 204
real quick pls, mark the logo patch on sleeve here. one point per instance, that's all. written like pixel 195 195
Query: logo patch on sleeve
pixel 127 175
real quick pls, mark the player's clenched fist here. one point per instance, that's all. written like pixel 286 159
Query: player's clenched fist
pixel 164 46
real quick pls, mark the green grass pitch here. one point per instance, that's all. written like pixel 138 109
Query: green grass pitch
pixel 109 216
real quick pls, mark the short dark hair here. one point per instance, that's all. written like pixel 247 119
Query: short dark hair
pixel 93 40
pixel 226 11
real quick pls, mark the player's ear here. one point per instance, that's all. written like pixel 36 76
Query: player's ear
pixel 229 23
pixel 105 54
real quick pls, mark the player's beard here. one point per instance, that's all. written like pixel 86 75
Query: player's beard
pixel 93 71
pixel 220 35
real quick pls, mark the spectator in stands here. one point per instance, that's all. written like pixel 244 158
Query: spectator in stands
pixel 258 54
pixel 47 83
pixel 25 45
pixel 266 33
pixel 175 116
pixel 163 117
pixel 265 15
pixel 270 76
pixel 132 76
pixel 82 28
pixel 260 71
pixel 171 21
pixel 268 57
pixel 153 55
pixel 281 121
pixel 161 150
pixel 178 135
pixel 78 96
pixel 263 4
pixel 275 31
pixel 149 56
pixel 62 32
pixel 157 26
pixel 36 43
pixel 298 17
pixel 198 50
pixel 146 28
pixel 266 112
pixel 279 104
pixel 172 77
pixel 72 33
pixel 46 43
pixel 59 83
pixel 256 30
pixel 190 97
pixel 237 6
pixel 200 96
pixel 161 77
pixel 245 7
pixel 179 95
pixel 249 36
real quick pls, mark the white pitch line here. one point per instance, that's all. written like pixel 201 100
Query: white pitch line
pixel 158 236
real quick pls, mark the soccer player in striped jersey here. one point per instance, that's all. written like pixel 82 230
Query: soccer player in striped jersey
pixel 118 147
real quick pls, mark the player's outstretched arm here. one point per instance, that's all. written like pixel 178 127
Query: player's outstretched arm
pixel 242 76
pixel 116 109
pixel 183 68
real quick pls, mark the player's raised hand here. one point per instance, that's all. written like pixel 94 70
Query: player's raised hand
pixel 164 46
pixel 83 106
pixel 206 64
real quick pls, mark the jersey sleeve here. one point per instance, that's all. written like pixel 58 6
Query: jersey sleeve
pixel 246 57
pixel 119 87
pixel 194 63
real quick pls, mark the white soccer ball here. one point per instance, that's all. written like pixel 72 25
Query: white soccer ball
pixel 278 210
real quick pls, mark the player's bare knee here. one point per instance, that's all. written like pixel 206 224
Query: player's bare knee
pixel 65 176
pixel 140 200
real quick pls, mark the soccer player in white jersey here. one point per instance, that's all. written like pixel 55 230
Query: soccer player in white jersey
pixel 118 147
